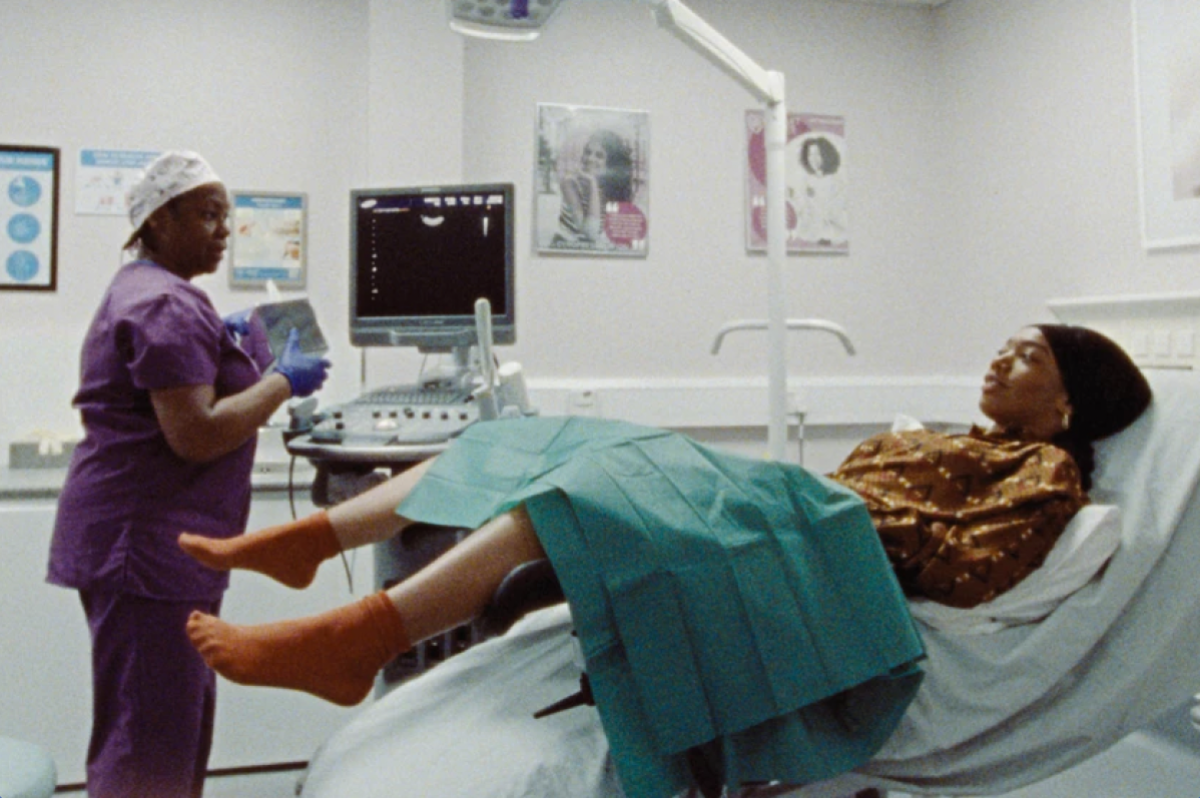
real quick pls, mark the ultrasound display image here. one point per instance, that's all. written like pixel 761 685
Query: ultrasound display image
pixel 411 241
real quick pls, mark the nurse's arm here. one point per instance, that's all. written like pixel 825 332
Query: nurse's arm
pixel 199 427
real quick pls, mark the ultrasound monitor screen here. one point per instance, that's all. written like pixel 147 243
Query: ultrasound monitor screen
pixel 422 257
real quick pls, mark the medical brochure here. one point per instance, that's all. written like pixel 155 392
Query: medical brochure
pixel 278 318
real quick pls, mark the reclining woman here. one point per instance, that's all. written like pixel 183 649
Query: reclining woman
pixel 716 598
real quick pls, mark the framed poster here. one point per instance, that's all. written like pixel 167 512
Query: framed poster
pixel 29 215
pixel 268 240
pixel 1167 45
pixel 592 181
pixel 815 153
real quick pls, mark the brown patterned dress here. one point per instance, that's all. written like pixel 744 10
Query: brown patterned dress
pixel 998 505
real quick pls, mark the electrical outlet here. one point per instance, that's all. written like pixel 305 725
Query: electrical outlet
pixel 583 403
pixel 1184 343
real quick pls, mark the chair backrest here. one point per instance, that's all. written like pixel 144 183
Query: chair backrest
pixel 1028 702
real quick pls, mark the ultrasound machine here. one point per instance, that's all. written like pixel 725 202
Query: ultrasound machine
pixel 431 268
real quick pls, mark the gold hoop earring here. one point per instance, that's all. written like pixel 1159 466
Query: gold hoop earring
pixel 1066 421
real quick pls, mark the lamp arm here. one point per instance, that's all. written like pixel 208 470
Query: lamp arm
pixel 685 25
pixel 768 88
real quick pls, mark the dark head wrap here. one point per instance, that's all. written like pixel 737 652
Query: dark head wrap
pixel 1106 390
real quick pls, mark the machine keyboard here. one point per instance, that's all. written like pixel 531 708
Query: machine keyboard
pixel 397 415
pixel 412 395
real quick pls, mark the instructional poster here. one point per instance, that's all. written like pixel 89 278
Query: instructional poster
pixel 592 181
pixel 268 241
pixel 29 215
pixel 815 153
pixel 104 176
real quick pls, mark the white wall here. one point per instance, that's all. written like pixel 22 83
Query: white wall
pixel 992 157
pixel 993 166
pixel 1038 133
pixel 658 316
pixel 274 94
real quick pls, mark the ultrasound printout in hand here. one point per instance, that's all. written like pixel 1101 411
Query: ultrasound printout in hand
pixel 278 318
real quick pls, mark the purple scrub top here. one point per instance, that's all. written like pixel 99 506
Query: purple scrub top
pixel 127 494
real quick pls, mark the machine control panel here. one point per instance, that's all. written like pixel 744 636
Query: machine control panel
pixel 397 416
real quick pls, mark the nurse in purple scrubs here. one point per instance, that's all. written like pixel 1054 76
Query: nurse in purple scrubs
pixel 171 404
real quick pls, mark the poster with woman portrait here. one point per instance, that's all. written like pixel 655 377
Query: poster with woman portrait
pixel 592 181
pixel 815 154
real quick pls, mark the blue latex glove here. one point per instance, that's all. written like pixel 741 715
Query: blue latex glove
pixel 238 323
pixel 306 373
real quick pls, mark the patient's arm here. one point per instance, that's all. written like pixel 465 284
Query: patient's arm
pixel 967 563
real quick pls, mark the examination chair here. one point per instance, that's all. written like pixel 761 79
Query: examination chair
pixel 534 586
pixel 996 713
pixel 26 770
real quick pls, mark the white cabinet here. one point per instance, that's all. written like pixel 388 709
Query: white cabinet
pixel 45 675
pixel 45 678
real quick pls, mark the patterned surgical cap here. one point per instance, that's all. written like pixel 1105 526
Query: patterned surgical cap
pixel 170 175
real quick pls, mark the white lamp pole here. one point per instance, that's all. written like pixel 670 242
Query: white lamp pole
pixel 769 89
pixel 776 138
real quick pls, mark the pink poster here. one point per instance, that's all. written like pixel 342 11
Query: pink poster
pixel 815 154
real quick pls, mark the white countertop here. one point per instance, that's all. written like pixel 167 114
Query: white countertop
pixel 20 484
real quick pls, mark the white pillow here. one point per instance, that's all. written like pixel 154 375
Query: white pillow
pixel 1089 540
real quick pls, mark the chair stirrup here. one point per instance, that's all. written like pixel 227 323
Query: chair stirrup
pixel 707 780
pixel 577 699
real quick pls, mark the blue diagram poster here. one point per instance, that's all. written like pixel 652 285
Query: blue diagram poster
pixel 28 217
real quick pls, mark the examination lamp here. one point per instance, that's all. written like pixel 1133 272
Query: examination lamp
pixel 501 20
pixel 522 20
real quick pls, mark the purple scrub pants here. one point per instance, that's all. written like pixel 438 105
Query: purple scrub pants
pixel 153 698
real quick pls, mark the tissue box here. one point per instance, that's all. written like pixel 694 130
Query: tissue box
pixel 27 454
